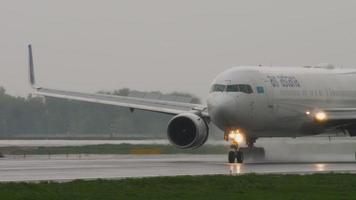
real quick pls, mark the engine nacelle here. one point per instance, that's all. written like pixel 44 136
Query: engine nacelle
pixel 187 131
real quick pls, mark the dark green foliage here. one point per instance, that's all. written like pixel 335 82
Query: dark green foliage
pixel 113 149
pixel 34 116
pixel 317 186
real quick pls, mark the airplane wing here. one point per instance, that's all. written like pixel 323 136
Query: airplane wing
pixel 154 105
pixel 340 113
pixel 327 115
pixel 337 118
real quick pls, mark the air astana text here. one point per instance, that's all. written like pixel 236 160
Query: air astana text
pixel 284 81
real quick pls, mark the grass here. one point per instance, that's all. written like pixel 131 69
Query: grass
pixel 112 149
pixel 316 186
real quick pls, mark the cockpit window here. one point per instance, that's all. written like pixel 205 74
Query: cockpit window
pixel 232 88
pixel 217 88
pixel 245 88
pixel 239 88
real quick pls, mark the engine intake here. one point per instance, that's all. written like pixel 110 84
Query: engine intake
pixel 187 131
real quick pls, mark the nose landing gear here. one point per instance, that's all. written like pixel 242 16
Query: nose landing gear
pixel 235 154
pixel 238 153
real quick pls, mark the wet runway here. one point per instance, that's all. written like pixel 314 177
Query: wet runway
pixel 63 168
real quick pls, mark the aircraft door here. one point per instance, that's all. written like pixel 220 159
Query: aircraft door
pixel 264 103
pixel 269 94
pixel 251 97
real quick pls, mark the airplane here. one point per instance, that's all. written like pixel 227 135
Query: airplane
pixel 247 103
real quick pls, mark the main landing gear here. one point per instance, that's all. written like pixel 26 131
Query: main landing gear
pixel 238 154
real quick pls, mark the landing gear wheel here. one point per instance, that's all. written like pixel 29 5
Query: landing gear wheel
pixel 232 157
pixel 239 156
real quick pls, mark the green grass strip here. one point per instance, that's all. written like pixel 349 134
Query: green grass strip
pixel 316 186
pixel 112 149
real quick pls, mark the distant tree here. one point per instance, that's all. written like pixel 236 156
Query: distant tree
pixel 33 116
pixel 2 91
pixel 119 92
pixel 122 92
pixel 195 99
pixel 127 91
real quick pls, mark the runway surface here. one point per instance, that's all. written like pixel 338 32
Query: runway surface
pixel 63 168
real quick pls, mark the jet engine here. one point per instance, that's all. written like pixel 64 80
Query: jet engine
pixel 187 131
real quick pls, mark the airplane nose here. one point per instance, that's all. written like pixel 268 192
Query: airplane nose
pixel 222 109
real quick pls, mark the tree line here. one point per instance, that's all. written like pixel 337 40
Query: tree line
pixel 50 117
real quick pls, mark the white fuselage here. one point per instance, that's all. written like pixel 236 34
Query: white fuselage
pixel 280 98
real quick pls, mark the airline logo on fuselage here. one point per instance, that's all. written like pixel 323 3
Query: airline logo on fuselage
pixel 260 90
pixel 284 81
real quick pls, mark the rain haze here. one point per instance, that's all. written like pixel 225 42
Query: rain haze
pixel 166 45
pixel 260 120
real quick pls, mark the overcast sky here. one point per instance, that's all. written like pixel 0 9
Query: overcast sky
pixel 90 45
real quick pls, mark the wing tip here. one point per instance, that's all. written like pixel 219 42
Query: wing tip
pixel 32 79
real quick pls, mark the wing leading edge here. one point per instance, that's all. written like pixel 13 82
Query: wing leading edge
pixel 161 106
pixel 340 113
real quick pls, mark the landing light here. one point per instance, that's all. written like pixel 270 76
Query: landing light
pixel 320 167
pixel 236 136
pixel 320 116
